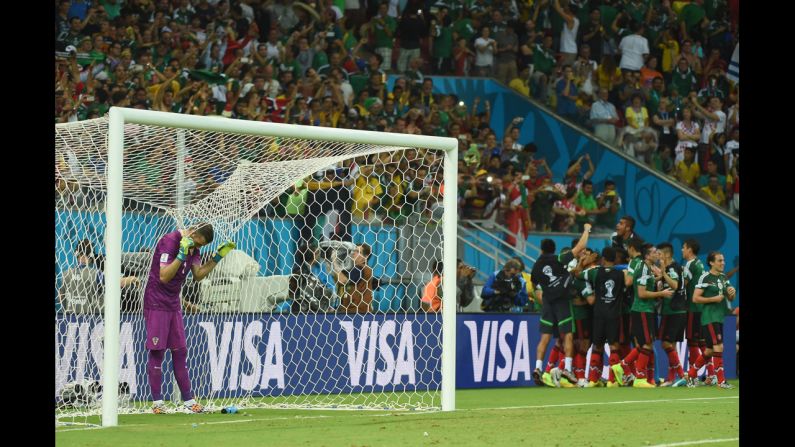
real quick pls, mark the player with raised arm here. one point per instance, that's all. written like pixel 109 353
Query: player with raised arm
pixel 550 273
pixel 582 310
pixel 714 292
pixel 176 254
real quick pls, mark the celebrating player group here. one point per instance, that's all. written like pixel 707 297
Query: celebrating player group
pixel 614 299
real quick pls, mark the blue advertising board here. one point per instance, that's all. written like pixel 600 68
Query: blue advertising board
pixel 281 355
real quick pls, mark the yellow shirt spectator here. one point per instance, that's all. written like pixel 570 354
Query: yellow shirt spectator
pixel 688 174
pixel 521 86
pixel 365 196
pixel 717 197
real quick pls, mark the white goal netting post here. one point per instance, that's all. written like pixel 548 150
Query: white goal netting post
pixel 273 325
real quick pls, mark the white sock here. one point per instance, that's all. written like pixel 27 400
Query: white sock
pixel 539 363
pixel 188 403
pixel 568 364
pixel 157 403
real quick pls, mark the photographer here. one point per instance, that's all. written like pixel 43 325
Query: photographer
pixel 505 290
pixel 355 284
pixel 465 290
pixel 307 291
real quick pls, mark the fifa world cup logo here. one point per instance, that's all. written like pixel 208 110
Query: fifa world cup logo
pixel 610 285
pixel 547 270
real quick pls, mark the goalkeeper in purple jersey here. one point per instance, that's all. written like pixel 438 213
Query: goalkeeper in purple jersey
pixel 174 254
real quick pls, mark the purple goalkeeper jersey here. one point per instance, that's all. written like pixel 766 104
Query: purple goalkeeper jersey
pixel 159 296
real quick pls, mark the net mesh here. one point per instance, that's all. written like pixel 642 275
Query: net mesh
pixel 274 324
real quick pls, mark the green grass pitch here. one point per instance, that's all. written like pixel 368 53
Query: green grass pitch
pixel 510 416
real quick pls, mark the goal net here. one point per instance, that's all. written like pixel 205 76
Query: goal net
pixel 319 305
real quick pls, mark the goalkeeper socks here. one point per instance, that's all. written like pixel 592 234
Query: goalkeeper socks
pixel 179 357
pixel 568 364
pixel 717 358
pixel 154 369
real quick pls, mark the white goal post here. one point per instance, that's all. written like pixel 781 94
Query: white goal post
pixel 119 118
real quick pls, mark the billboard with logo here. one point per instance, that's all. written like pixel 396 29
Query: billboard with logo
pixel 277 355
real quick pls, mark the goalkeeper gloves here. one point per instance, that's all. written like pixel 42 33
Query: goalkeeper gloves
pixel 185 244
pixel 223 250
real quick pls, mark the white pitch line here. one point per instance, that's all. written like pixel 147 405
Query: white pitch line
pixel 583 404
pixel 404 413
pixel 702 441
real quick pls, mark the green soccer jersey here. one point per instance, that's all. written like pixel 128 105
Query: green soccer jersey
pixel 713 285
pixel 384 39
pixel 643 277
pixel 693 270
pixel 464 28
pixel 583 291
pixel 666 302
pixel 634 264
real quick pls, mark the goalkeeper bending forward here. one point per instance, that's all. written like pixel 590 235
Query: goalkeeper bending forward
pixel 162 311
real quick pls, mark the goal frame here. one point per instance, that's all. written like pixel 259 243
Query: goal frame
pixel 118 117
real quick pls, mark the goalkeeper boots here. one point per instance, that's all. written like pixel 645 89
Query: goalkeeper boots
pixel 194 408
pixel 159 409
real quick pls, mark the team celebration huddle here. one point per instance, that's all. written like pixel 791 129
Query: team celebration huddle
pixel 609 303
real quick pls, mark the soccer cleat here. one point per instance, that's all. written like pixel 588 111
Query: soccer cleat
pixel 537 377
pixel 159 409
pixel 726 386
pixel 546 379
pixel 666 383
pixel 691 382
pixel 642 383
pixel 555 374
pixel 613 384
pixel 568 375
pixel 619 373
pixel 711 380
pixel 195 408
pixel 680 382
pixel 592 385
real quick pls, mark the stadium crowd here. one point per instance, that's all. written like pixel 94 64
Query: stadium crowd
pixel 651 77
